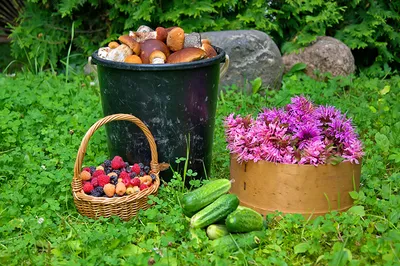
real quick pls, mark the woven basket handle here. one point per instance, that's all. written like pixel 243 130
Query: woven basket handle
pixel 125 117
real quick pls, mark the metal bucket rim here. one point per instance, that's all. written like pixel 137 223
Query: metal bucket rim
pixel 160 67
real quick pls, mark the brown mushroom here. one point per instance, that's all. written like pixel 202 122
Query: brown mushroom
pixel 161 34
pixel 113 45
pixel 144 28
pixel 176 39
pixel 157 57
pixel 148 46
pixel 186 55
pixel 209 50
pixel 128 40
pixel 133 59
pixel 119 54
pixel 205 41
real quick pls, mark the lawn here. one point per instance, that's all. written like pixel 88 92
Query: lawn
pixel 44 117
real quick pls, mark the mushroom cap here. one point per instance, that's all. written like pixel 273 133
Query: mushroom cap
pixel 161 34
pixel 113 45
pixel 144 28
pixel 176 39
pixel 128 40
pixel 186 55
pixel 209 50
pixel 120 53
pixel 205 41
pixel 133 59
pixel 149 46
pixel 157 54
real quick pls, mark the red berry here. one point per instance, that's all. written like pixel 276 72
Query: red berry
pixel 126 181
pixel 103 180
pixel 94 181
pixel 98 173
pixel 86 169
pixel 143 186
pixel 135 168
pixel 87 187
pixel 135 182
pixel 117 162
pixel 123 175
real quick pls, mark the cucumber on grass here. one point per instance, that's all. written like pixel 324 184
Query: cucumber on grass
pixel 215 231
pixel 232 242
pixel 244 220
pixel 197 199
pixel 216 211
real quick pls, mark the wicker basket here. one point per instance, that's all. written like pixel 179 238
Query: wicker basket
pixel 127 206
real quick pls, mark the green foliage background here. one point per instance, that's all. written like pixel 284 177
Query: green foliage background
pixel 44 119
pixel 369 27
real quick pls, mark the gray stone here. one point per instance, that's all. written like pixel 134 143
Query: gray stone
pixel 326 54
pixel 252 54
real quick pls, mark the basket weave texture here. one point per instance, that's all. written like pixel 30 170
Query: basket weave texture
pixel 127 206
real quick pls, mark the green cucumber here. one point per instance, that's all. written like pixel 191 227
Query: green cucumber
pixel 199 198
pixel 244 220
pixel 215 212
pixel 215 231
pixel 232 243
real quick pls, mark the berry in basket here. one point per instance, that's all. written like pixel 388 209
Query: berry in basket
pixel 116 178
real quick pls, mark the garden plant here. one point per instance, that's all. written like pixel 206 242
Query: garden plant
pixel 48 104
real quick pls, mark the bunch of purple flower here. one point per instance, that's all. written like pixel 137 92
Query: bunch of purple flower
pixel 299 133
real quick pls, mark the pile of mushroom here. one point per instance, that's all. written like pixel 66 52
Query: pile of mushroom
pixel 160 46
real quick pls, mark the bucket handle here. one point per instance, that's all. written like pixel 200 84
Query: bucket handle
pixel 224 68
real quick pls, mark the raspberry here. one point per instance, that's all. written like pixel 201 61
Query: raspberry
pixel 87 187
pixel 103 180
pixel 98 173
pixel 87 169
pixel 135 182
pixel 85 175
pixel 126 181
pixel 100 167
pixel 143 186
pixel 123 175
pixel 109 189
pixel 120 189
pixel 97 192
pixel 117 162
pixel 136 168
pixel 94 182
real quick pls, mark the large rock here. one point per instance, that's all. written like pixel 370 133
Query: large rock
pixel 252 54
pixel 326 54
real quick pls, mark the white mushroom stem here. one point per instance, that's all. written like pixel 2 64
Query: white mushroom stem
pixel 118 54
pixel 103 52
pixel 158 61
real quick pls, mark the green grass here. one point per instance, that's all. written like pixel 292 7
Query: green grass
pixel 43 120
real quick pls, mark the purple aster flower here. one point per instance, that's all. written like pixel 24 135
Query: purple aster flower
pixel 314 153
pixel 326 113
pixel 307 133
pixel 353 151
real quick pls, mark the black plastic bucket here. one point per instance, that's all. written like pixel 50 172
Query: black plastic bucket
pixel 176 101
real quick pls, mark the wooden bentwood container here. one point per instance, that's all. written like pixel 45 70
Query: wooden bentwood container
pixel 292 188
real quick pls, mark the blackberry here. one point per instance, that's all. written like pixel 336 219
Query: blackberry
pixel 107 163
pixel 146 169
pixel 108 170
pixel 142 173
pixel 97 192
pixel 153 177
pixel 114 179
pixel 126 164
pixel 132 175
pixel 141 166
pixel 92 169
pixel 117 172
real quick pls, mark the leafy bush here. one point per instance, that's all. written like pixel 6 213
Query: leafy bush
pixel 368 27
